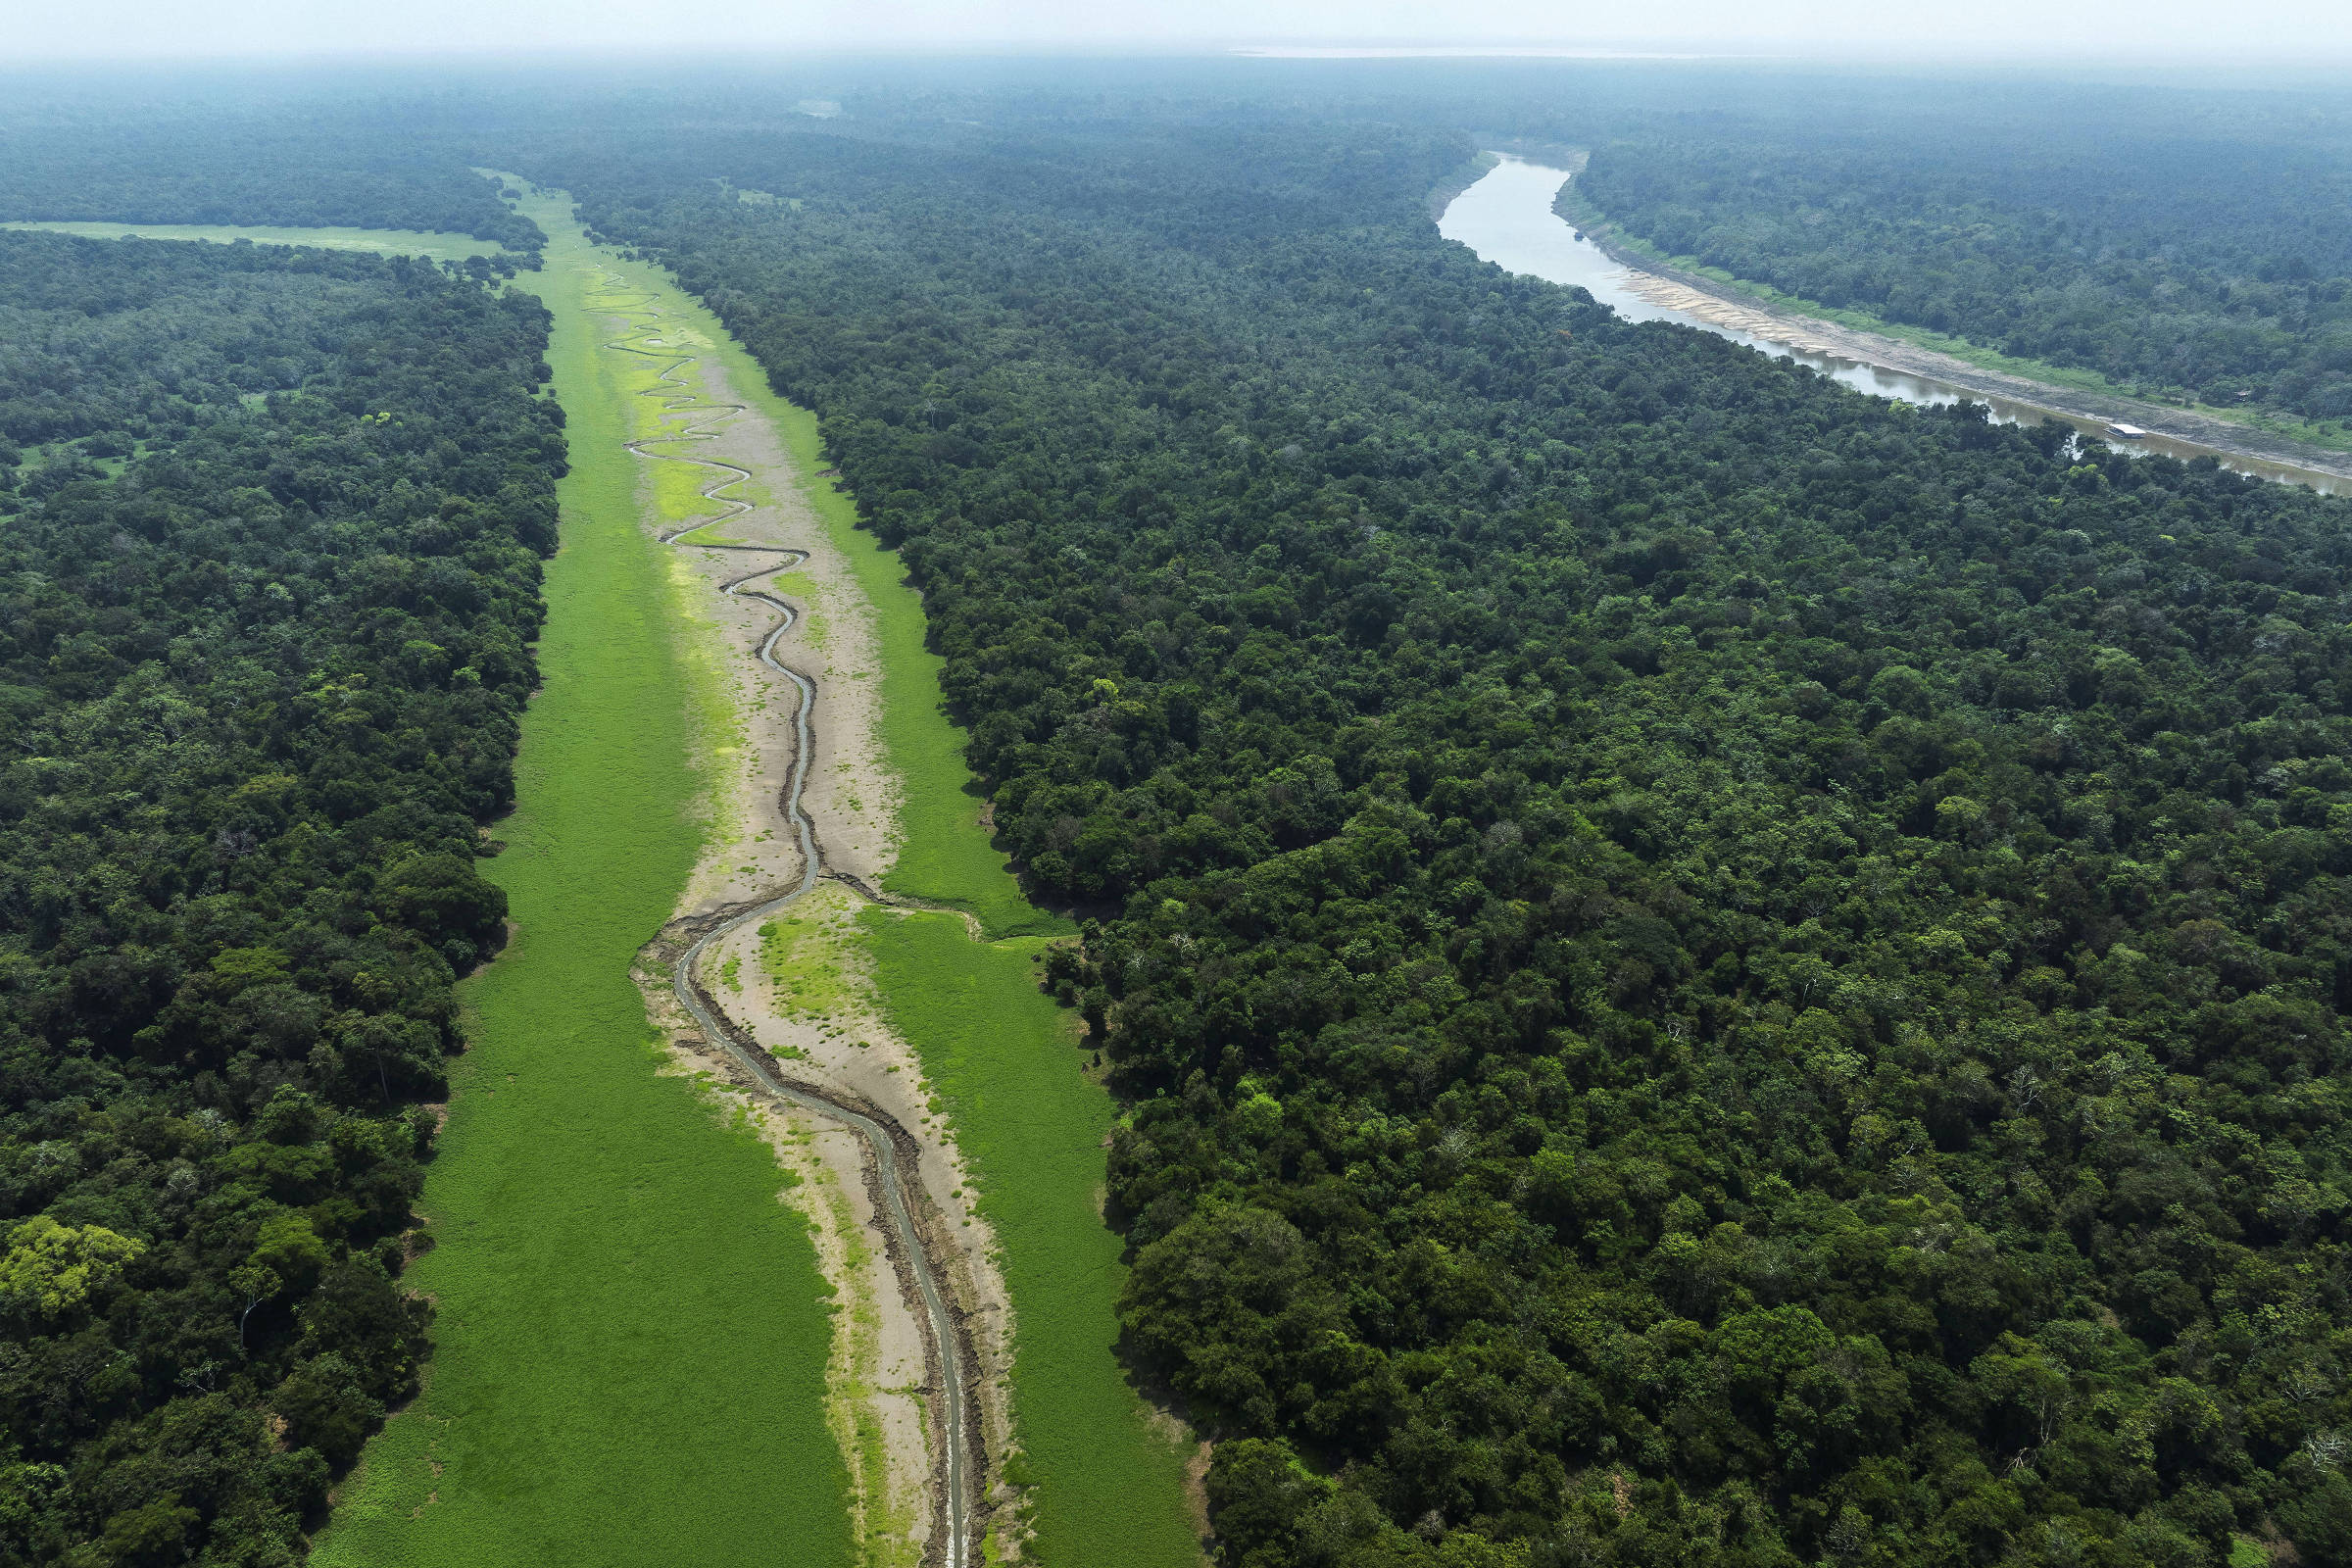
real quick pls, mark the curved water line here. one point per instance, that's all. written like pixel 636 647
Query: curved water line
pixel 894 1181
pixel 1508 215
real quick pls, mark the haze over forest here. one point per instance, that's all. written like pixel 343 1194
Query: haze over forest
pixel 2278 33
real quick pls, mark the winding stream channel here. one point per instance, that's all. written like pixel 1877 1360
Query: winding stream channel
pixel 946 1348
pixel 1506 217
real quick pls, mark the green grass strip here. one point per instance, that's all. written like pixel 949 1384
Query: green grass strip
pixel 1107 1487
pixel 382 241
pixel 632 1331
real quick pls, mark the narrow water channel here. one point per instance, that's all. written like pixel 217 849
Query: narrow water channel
pixel 1506 217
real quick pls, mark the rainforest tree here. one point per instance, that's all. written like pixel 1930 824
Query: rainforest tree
pixel 2179 248
pixel 269 547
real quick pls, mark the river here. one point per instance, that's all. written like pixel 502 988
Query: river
pixel 1506 217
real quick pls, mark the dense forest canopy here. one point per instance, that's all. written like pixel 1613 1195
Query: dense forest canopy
pixel 269 533
pixel 2177 243
pixel 242 166
pixel 1706 968
pixel 1703 970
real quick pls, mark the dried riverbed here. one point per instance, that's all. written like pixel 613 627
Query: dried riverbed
pixel 760 982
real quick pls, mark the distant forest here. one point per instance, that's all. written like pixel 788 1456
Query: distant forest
pixel 2177 245
pixel 264 174
pixel 1702 970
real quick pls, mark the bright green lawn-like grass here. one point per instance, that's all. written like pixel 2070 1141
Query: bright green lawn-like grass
pixel 1005 1064
pixel 944 856
pixel 382 241
pixel 632 1334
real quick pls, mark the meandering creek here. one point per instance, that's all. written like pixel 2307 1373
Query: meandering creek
pixel 1506 217
pixel 884 1136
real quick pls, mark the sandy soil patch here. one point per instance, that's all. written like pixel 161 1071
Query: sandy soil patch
pixel 851 798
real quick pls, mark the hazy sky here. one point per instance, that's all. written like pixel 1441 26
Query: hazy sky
pixel 2299 30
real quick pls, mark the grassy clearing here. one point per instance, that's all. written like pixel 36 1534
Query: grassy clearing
pixel 2333 437
pixel 382 241
pixel 1004 1063
pixel 632 1330
pixel 1107 1487
pixel 944 856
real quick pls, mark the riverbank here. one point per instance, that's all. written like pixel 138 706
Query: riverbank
pixel 756 980
pixel 1759 310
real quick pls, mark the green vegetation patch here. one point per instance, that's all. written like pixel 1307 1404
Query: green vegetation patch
pixel 800 955
pixel 632 1331
pixel 1007 1067
pixel 380 241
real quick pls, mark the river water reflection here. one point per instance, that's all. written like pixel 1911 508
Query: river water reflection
pixel 1506 218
